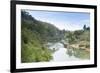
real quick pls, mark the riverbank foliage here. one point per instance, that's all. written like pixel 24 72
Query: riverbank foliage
pixel 34 35
pixel 79 42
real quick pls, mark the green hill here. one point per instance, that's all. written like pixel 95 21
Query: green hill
pixel 34 34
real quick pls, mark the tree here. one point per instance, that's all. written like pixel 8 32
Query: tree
pixel 88 28
pixel 84 27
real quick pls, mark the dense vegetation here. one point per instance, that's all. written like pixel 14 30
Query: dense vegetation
pixel 35 34
pixel 79 42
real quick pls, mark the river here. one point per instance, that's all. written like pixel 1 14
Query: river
pixel 61 53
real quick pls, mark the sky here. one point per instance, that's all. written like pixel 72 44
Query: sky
pixel 63 20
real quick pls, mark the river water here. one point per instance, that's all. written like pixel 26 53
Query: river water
pixel 61 53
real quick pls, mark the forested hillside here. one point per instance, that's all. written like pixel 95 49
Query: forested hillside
pixel 35 34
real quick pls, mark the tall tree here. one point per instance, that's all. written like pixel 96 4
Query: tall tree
pixel 84 27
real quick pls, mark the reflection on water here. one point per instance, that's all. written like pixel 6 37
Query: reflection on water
pixel 61 53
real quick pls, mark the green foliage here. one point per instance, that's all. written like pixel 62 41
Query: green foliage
pixel 34 34
pixel 77 36
pixel 33 37
pixel 79 42
pixel 80 53
pixel 84 27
